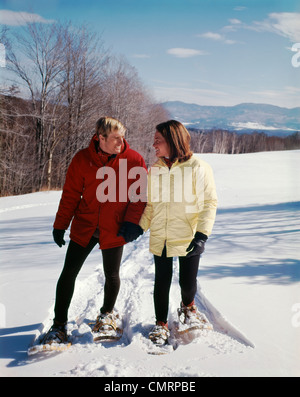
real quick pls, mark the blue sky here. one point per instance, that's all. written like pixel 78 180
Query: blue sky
pixel 209 52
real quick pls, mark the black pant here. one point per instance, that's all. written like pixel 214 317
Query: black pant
pixel 188 270
pixel 75 258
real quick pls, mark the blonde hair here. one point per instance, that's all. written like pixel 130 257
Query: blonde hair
pixel 105 125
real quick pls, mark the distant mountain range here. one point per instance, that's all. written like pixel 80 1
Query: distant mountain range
pixel 246 117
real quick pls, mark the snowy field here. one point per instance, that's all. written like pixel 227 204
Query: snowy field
pixel 248 284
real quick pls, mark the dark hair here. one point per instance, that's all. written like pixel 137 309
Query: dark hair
pixel 177 138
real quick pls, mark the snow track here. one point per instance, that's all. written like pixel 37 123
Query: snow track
pixel 135 305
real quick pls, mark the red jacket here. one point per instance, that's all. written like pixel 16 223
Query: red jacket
pixel 79 199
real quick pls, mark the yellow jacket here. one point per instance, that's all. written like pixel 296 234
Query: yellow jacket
pixel 181 201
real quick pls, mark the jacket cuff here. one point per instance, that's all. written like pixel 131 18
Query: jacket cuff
pixel 201 236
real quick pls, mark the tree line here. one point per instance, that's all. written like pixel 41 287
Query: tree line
pixel 229 142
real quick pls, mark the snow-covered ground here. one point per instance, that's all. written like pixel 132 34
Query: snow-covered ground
pixel 248 284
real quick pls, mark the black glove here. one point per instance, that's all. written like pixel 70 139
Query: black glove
pixel 130 231
pixel 58 237
pixel 197 245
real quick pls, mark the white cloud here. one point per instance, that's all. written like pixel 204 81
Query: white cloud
pixel 240 8
pixel 216 37
pixel 285 24
pixel 13 18
pixel 141 56
pixel 185 52
pixel 235 21
pixel 211 35
pixel 286 97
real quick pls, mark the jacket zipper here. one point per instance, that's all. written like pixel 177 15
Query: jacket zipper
pixel 104 165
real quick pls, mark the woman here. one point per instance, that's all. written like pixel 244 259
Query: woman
pixel 180 213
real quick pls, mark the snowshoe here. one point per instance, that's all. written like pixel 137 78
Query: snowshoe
pixel 56 339
pixel 159 335
pixel 106 328
pixel 191 319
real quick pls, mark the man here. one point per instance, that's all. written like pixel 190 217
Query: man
pixel 101 212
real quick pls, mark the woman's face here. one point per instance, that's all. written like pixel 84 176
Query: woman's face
pixel 160 145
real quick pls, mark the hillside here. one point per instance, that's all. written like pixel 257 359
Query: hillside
pixel 246 117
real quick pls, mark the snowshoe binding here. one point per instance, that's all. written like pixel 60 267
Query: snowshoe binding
pixel 56 334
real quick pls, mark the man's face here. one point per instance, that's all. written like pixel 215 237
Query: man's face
pixel 113 143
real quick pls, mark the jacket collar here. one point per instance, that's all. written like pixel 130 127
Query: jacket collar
pixel 162 162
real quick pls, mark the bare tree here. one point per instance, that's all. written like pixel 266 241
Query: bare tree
pixel 60 67
pixel 127 99
pixel 16 166
pixel 35 57
pixel 83 61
